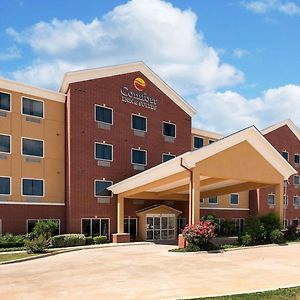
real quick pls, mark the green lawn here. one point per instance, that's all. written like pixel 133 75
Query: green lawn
pixel 13 256
pixel 280 294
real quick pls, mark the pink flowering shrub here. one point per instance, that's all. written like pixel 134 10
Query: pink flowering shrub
pixel 199 234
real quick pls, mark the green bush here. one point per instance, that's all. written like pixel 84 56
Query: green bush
pixel 45 228
pixel 276 236
pixel 88 240
pixel 245 239
pixel 212 219
pixel 255 229
pixel 10 241
pixel 100 239
pixel 38 244
pixel 271 221
pixel 68 240
pixel 11 244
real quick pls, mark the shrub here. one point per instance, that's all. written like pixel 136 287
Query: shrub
pixel 271 221
pixel 276 236
pixel 255 229
pixel 245 239
pixel 11 244
pixel 199 234
pixel 297 232
pixel 212 219
pixel 68 240
pixel 100 239
pixel 45 228
pixel 88 240
pixel 38 244
pixel 10 241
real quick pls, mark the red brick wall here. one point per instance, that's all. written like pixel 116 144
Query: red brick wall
pixel 82 168
pixel 226 214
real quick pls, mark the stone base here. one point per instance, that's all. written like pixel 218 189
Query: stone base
pixel 181 242
pixel 121 238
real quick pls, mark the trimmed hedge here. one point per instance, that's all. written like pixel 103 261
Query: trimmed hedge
pixel 11 244
pixel 89 240
pixel 100 239
pixel 68 240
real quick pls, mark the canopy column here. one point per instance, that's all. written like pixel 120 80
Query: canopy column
pixel 194 196
pixel 279 192
pixel 120 236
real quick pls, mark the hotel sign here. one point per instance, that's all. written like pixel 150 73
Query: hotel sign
pixel 139 98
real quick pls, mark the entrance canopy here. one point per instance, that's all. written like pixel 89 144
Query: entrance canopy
pixel 239 162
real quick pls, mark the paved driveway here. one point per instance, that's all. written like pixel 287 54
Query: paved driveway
pixel 149 272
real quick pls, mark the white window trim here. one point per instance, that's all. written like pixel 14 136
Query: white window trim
pixel 106 144
pixel 162 156
pixel 235 204
pixel 296 154
pixel 137 115
pixel 287 200
pixel 296 196
pixel 166 122
pixel 288 155
pixel 102 180
pixel 10 186
pixel 274 199
pixel 215 203
pixel 10 144
pixel 29 138
pixel 10 101
pixel 44 187
pixel 112 114
pixel 100 224
pixel 199 137
pixel 30 98
pixel 294 179
pixel 146 156
pixel 41 220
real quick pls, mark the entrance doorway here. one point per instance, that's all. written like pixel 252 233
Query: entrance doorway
pixel 130 226
pixel 160 227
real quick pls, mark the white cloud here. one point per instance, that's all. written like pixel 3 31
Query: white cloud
pixel 10 54
pixel 229 111
pixel 266 6
pixel 154 31
pixel 239 52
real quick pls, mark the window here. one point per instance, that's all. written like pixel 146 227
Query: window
pixel 138 123
pixel 285 200
pixel 285 154
pixel 169 129
pixel 4 101
pixel 296 179
pixel 32 187
pixel 5 187
pixel 104 114
pixel 31 223
pixel 213 200
pixel 32 107
pixel 285 223
pixel 95 227
pixel 297 159
pixel 210 141
pixel 234 199
pixel 101 188
pixel 5 143
pixel 166 157
pixel 239 224
pixel 104 151
pixel 32 147
pixel 296 200
pixel 271 199
pixel 138 157
pixel 198 142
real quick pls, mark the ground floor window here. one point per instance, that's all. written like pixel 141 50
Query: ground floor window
pixel 295 222
pixel 130 226
pixel 161 227
pixel 32 222
pixel 239 224
pixel 181 223
pixel 95 227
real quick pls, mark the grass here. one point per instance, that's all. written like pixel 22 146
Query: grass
pixel 14 256
pixel 13 249
pixel 280 294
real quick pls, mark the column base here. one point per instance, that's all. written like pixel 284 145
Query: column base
pixel 121 238
pixel 181 242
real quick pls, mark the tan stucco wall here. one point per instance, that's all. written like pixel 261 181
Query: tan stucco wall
pixel 51 130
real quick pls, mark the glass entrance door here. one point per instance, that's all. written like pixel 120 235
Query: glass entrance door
pixel 160 227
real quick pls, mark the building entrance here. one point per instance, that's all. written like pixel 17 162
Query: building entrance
pixel 160 227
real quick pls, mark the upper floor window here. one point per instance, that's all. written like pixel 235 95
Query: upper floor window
pixel 213 200
pixel 234 199
pixel 169 129
pixel 101 188
pixel 32 107
pixel 271 199
pixel 285 154
pixel 285 200
pixel 297 159
pixel 296 179
pixel 198 142
pixel 103 151
pixel 32 187
pixel 138 122
pixel 4 101
pixel 296 200
pixel 5 143
pixel 5 188
pixel 32 147
pixel 138 157
pixel 166 157
pixel 104 114
pixel 211 141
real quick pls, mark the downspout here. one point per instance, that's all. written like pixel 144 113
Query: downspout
pixel 285 206
pixel 191 189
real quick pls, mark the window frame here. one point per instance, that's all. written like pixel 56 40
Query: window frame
pixel 285 200
pixel 169 123
pixel 215 203
pixel 146 157
pixel 102 180
pixel 106 107
pixel 298 155
pixel 10 144
pixel 10 185
pixel 296 176
pixel 198 137
pixel 238 199
pixel 103 159
pixel 137 115
pixel 296 205
pixel 271 204
pixel 10 101
pixel 169 154
pixel 91 225
pixel 41 220
pixel 44 187
pixel 288 155
pixel 28 155
pixel 34 99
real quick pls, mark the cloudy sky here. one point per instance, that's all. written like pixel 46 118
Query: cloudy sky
pixel 236 62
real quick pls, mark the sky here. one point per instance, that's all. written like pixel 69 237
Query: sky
pixel 236 62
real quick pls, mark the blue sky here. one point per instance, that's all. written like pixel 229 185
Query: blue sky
pixel 236 62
